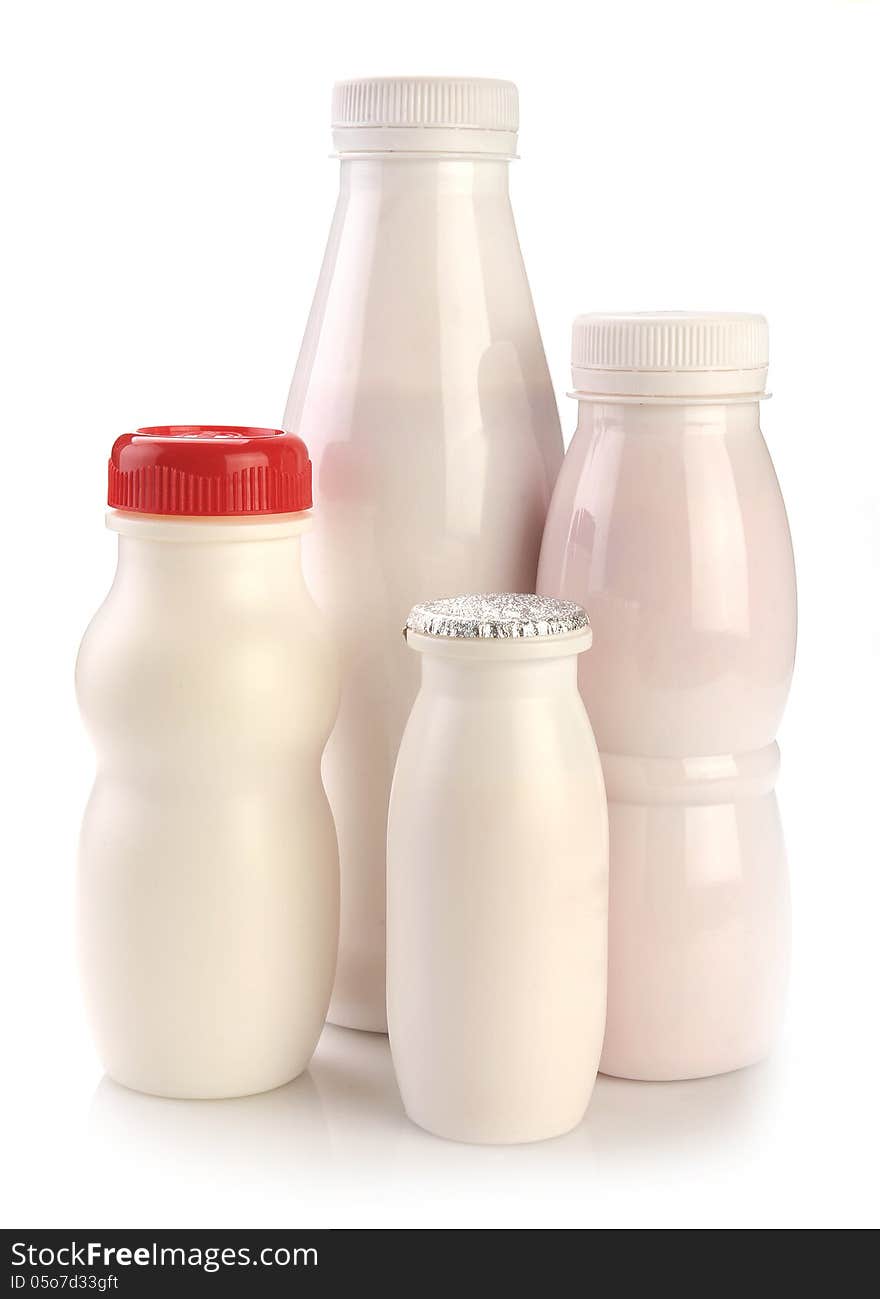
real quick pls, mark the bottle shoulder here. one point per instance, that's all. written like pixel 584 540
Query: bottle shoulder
pixel 677 509
pixel 679 549
pixel 152 675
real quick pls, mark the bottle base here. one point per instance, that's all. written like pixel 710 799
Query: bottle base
pixel 478 1134
pixel 698 937
pixel 685 1072
pixel 364 1018
pixel 195 1092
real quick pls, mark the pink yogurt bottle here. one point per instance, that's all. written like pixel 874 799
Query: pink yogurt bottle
pixel 668 525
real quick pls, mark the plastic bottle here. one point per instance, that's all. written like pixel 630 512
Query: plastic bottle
pixel 497 874
pixel 668 523
pixel 423 394
pixel 208 873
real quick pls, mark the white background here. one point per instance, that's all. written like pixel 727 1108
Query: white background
pixel 168 192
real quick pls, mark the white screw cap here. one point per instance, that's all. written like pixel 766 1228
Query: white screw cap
pixel 670 354
pixel 425 115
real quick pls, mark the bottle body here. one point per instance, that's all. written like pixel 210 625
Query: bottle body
pixel 497 901
pixel 668 525
pixel 208 870
pixel 424 393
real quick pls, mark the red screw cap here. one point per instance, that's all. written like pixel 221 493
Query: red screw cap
pixel 209 469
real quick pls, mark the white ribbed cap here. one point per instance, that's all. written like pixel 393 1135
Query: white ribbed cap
pixel 670 354
pixel 425 115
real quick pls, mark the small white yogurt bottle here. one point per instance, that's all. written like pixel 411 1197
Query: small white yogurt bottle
pixel 497 874
pixel 208 890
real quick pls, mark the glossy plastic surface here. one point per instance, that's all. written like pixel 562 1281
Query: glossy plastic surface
pixel 667 524
pixel 497 893
pixel 208 872
pixel 423 395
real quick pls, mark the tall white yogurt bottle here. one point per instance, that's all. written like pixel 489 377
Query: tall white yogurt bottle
pixel 423 394
pixel 208 872
pixel 668 523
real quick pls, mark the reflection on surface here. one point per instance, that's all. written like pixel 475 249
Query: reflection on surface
pixel 635 1119
pixel 340 1130
pixel 267 1137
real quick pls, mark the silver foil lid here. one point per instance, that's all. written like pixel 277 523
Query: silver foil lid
pixel 497 616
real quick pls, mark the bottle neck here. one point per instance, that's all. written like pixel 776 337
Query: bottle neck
pixel 424 141
pixel 482 680
pixel 667 418
pixel 392 175
pixel 198 562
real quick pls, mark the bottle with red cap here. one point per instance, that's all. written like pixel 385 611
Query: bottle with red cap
pixel 208 877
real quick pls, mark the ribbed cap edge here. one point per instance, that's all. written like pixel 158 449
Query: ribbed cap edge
pixel 209 471
pixel 432 102
pixel 670 341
